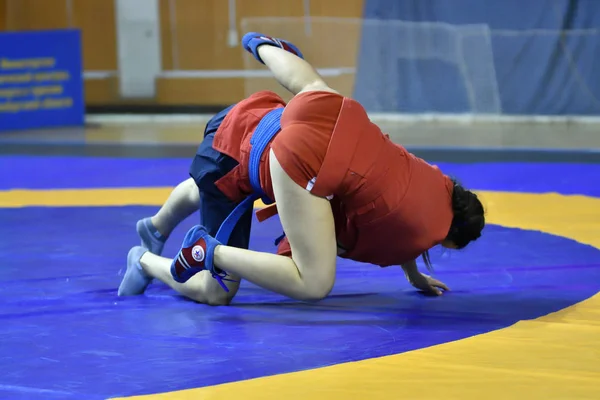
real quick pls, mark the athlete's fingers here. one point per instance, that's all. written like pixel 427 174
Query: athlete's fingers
pixel 435 291
pixel 439 284
pixel 431 289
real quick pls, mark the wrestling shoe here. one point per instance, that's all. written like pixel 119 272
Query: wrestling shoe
pixel 252 40
pixel 197 254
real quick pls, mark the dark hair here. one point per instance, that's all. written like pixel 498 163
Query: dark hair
pixel 469 217
pixel 468 220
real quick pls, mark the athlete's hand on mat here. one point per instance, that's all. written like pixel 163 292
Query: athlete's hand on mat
pixel 427 284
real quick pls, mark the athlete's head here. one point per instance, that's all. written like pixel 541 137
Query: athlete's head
pixel 469 218
pixel 467 223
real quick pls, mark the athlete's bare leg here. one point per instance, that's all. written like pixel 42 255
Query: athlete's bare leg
pixel 309 275
pixel 200 287
pixel 293 73
pixel 181 203
pixel 306 219
pixel 308 223
pixel 143 267
pixel 153 231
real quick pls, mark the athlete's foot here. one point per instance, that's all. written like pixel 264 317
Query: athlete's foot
pixel 252 40
pixel 196 254
pixel 136 280
pixel 151 238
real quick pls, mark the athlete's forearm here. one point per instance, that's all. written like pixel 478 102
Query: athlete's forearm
pixel 410 269
pixel 292 72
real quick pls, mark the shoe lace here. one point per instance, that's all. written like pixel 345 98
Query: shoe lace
pixel 221 277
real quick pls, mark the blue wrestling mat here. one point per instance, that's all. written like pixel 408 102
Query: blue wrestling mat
pixel 66 335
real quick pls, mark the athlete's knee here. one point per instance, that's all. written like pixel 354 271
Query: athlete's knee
pixel 317 289
pixel 218 300
pixel 202 288
pixel 215 295
pixel 315 294
pixel 211 298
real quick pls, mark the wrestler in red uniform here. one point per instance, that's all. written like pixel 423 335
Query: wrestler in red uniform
pixel 387 207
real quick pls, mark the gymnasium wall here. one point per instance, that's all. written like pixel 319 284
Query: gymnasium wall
pixel 545 55
pixel 201 41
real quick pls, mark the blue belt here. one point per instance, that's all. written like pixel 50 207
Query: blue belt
pixel 266 130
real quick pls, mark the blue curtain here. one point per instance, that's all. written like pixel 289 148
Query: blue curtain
pixel 540 73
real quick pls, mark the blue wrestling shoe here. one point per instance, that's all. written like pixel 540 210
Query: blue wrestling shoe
pixel 196 255
pixel 136 280
pixel 252 40
pixel 151 238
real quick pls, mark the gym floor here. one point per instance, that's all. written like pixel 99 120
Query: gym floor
pixel 522 319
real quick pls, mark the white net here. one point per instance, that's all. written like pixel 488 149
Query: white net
pixel 392 66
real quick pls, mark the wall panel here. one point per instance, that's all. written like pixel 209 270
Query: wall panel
pixel 167 36
pixel 197 41
pixel 3 15
pixel 199 91
pixel 101 91
pixel 36 15
pixel 96 19
pixel 337 8
pixel 200 41
pixel 200 36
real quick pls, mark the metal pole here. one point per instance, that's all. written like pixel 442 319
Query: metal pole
pixel 174 41
pixel 69 11
pixel 307 19
pixel 232 33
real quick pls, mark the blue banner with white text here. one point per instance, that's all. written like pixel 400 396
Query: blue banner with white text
pixel 41 80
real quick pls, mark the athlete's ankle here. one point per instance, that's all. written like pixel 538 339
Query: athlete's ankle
pixel 218 256
pixel 160 226
pixel 144 262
